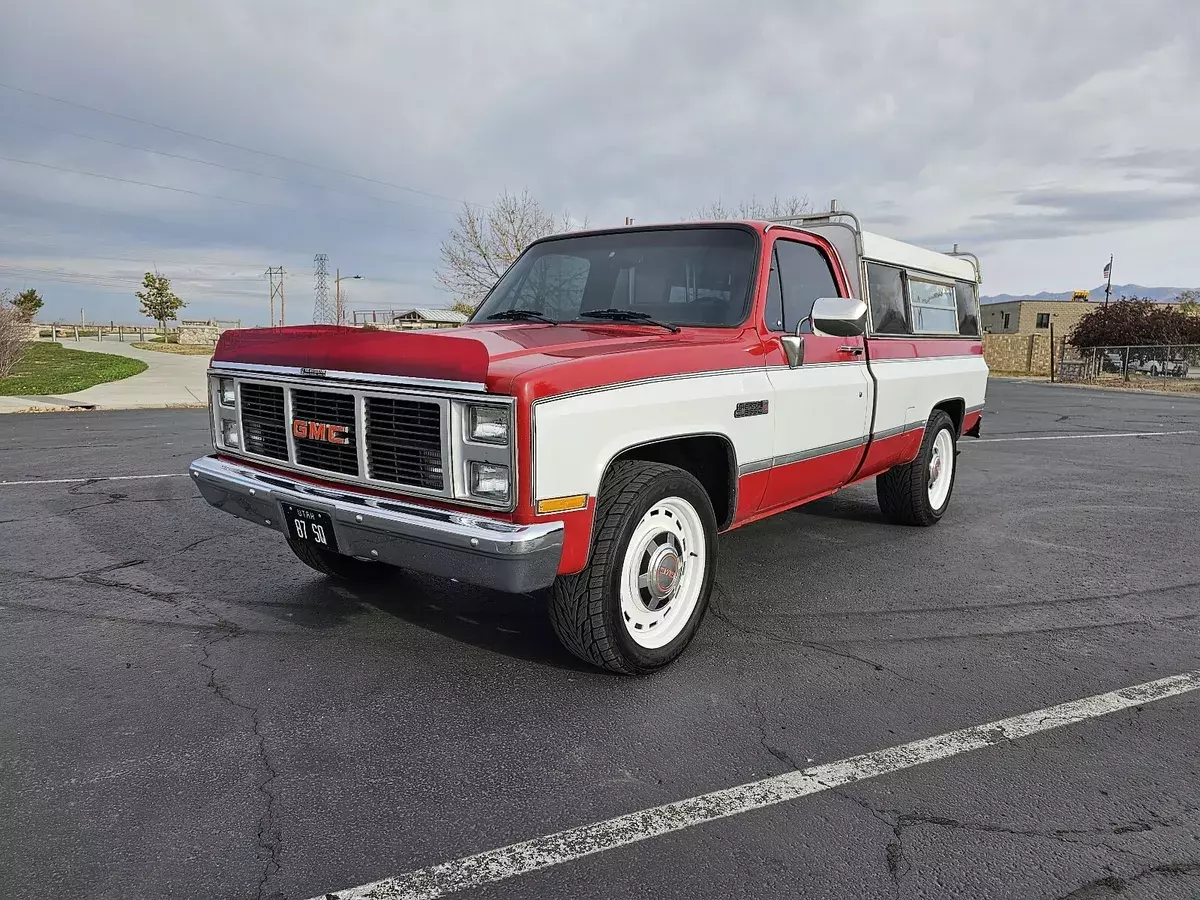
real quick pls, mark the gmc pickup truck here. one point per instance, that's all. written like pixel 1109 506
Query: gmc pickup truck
pixel 619 399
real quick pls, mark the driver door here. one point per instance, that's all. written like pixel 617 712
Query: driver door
pixel 821 407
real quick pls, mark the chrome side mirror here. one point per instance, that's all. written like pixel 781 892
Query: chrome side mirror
pixel 839 317
pixel 793 349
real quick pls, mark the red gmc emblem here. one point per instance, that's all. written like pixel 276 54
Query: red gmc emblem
pixel 320 431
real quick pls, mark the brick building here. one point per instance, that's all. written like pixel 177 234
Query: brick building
pixel 1035 316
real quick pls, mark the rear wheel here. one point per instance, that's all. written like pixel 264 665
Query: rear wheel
pixel 918 492
pixel 638 604
pixel 336 565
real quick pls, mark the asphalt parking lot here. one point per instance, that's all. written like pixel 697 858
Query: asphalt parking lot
pixel 189 712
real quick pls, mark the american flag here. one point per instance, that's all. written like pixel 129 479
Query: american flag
pixel 1107 269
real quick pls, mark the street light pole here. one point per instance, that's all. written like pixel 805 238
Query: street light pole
pixel 337 293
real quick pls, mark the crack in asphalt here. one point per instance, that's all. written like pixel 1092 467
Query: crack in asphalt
pixel 1113 885
pixel 716 606
pixel 899 864
pixel 1151 622
pixel 270 832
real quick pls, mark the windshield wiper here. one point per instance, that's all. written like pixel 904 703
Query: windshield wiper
pixel 522 315
pixel 628 315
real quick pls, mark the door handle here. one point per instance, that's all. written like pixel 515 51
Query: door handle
pixel 857 351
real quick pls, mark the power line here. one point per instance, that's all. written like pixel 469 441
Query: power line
pixel 119 215
pixel 177 190
pixel 205 162
pixel 201 137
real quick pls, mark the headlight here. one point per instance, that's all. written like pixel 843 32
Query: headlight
pixel 489 481
pixel 488 424
pixel 229 433
pixel 225 386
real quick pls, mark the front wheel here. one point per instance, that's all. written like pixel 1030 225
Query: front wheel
pixel 918 492
pixel 638 603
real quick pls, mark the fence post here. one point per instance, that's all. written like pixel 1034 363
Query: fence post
pixel 1125 366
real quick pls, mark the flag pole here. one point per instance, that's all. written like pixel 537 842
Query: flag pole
pixel 1108 285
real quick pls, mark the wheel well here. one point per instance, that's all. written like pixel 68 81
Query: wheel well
pixel 709 457
pixel 956 410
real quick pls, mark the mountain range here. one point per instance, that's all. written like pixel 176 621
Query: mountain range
pixel 1157 294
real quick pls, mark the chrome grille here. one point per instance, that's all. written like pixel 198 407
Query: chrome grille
pixel 264 422
pixel 399 440
pixel 404 442
pixel 326 409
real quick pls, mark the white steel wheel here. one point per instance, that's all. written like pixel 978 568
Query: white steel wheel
pixel 662 575
pixel 941 469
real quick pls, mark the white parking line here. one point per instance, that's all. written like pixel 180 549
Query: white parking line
pixel 1077 437
pixel 575 843
pixel 97 478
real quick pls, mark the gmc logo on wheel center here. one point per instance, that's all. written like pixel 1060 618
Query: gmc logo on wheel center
pixel 320 431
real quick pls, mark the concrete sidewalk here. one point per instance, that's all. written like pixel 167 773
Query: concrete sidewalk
pixel 169 380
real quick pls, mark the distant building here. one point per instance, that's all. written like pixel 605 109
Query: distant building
pixel 1034 316
pixel 406 319
pixel 428 318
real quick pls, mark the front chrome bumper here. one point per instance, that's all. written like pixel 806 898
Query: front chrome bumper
pixel 466 547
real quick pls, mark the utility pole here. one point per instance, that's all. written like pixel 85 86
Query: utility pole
pixel 274 272
pixel 337 291
pixel 323 311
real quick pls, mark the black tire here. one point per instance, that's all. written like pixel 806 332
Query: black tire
pixel 903 491
pixel 337 565
pixel 585 608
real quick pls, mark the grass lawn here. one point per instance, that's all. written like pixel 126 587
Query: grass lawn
pixel 185 349
pixel 50 369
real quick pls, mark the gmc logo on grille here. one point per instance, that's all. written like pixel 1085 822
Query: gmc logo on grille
pixel 320 431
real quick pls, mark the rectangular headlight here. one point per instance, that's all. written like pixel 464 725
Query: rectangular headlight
pixel 229 433
pixel 489 481
pixel 487 424
pixel 225 390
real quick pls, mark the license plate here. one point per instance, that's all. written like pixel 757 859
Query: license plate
pixel 311 526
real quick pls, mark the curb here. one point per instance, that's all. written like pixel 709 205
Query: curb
pixel 85 407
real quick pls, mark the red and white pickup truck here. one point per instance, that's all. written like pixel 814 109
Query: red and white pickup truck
pixel 620 398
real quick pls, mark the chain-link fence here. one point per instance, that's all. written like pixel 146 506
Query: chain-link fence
pixel 1127 364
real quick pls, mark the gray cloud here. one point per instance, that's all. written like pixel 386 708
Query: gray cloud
pixel 1025 127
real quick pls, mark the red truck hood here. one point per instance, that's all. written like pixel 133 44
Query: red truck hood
pixel 493 355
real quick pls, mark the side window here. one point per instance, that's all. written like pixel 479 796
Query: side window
pixel 933 306
pixel 885 287
pixel 804 275
pixel 968 307
pixel 774 312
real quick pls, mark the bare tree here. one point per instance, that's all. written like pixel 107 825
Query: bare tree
pixel 14 334
pixel 485 241
pixel 777 208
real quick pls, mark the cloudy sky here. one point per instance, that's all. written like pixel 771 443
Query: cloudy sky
pixel 220 137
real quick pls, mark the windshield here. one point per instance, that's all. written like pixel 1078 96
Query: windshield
pixel 685 276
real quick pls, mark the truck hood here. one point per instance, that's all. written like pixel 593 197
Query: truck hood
pixel 490 355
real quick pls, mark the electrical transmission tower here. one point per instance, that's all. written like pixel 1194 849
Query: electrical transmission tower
pixel 323 311
pixel 274 272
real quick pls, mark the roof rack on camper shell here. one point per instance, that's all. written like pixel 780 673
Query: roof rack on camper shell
pixel 844 231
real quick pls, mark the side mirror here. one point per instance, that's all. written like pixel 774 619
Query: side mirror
pixel 839 317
